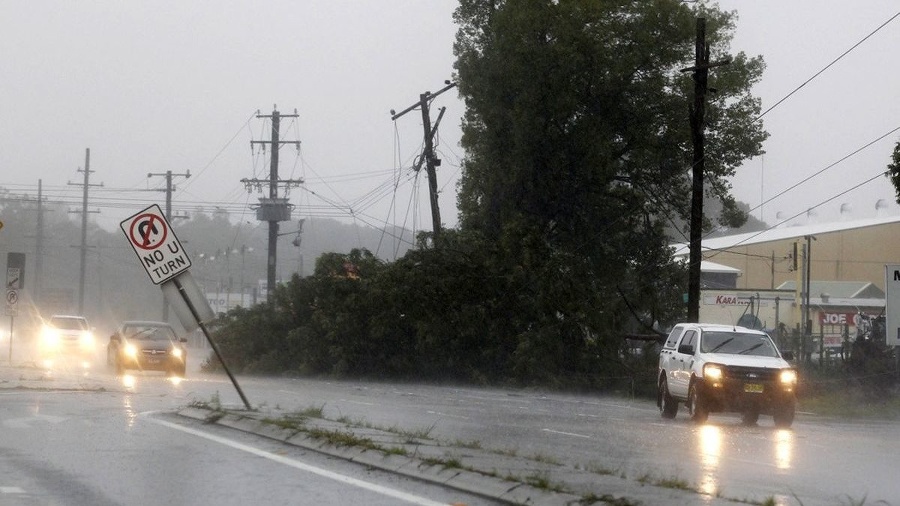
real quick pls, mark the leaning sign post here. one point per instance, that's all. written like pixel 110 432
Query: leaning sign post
pixel 167 264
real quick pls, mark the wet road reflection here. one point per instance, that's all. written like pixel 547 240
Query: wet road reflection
pixel 710 446
pixel 784 448
pixel 716 444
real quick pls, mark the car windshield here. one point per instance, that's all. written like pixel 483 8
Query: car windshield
pixel 149 333
pixel 69 323
pixel 738 343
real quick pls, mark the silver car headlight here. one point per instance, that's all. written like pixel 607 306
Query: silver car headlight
pixel 131 350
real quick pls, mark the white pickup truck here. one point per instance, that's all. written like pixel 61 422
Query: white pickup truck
pixel 723 368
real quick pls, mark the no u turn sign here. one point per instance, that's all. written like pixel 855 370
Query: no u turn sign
pixel 155 244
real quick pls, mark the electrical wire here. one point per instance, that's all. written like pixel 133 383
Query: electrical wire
pixel 845 53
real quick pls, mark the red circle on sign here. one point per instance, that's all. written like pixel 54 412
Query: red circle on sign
pixel 146 223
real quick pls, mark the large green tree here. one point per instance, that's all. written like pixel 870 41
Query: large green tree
pixel 577 111
pixel 577 136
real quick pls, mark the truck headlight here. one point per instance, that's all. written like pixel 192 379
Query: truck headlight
pixel 788 377
pixel 87 340
pixel 177 352
pixel 50 338
pixel 713 372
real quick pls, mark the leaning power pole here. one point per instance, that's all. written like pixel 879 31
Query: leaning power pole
pixel 169 189
pixel 698 125
pixel 84 212
pixel 428 157
pixel 272 208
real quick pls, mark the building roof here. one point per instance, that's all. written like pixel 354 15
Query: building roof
pixel 781 233
pixel 707 266
pixel 839 289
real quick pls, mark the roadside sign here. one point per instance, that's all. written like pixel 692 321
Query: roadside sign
pixel 155 244
pixel 13 276
pixel 892 305
pixel 12 301
pixel 15 270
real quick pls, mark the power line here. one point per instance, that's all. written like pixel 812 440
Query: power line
pixel 845 53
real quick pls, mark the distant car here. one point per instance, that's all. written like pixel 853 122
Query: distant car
pixel 66 337
pixel 724 368
pixel 147 345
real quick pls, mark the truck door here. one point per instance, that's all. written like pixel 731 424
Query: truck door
pixel 682 361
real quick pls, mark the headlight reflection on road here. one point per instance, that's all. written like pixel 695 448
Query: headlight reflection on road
pixel 128 381
pixel 130 413
pixel 175 380
pixel 784 448
pixel 710 446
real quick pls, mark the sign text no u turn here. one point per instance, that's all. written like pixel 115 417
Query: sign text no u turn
pixel 155 244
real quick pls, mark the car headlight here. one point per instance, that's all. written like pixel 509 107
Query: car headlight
pixel 50 337
pixel 177 352
pixel 87 340
pixel 130 350
pixel 713 372
pixel 788 377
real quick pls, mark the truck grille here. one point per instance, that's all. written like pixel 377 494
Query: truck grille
pixel 758 374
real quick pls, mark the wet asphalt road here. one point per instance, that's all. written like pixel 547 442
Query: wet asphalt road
pixel 93 438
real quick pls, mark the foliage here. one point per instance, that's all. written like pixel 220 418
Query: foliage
pixel 894 170
pixel 578 156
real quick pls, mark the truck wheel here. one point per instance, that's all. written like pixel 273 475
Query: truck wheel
pixel 783 414
pixel 699 411
pixel 750 417
pixel 668 405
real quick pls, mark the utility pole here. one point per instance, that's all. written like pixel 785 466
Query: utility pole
pixel 169 189
pixel 428 157
pixel 273 209
pixel 698 125
pixel 39 244
pixel 84 212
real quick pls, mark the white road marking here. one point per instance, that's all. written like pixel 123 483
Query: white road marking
pixel 566 433
pixel 357 402
pixel 389 492
pixel 29 421
pixel 11 490
pixel 450 415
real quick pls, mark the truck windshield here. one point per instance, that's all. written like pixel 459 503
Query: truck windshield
pixel 738 343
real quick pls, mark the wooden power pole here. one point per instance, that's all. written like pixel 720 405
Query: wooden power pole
pixel 698 125
pixel 428 157
pixel 272 208
pixel 169 189
pixel 84 212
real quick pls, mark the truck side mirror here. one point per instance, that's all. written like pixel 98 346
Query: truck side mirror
pixel 788 355
pixel 687 349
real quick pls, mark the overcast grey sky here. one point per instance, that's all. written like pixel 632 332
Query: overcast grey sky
pixel 175 85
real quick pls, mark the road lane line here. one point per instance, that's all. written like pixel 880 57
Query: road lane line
pixel 566 433
pixel 362 403
pixel 390 492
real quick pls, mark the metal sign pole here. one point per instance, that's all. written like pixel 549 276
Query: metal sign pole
pixel 11 319
pixel 212 343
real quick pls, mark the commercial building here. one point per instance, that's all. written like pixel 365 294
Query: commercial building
pixel 759 277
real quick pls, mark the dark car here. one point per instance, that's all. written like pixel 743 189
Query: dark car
pixel 147 345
